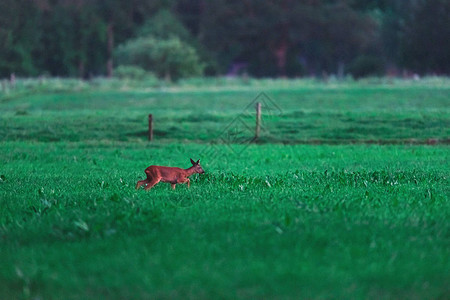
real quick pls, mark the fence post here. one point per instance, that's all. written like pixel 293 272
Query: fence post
pixel 150 127
pixel 258 120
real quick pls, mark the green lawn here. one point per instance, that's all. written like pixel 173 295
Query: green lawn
pixel 280 219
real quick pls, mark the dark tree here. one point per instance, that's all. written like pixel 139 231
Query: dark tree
pixel 19 37
pixel 425 44
pixel 262 38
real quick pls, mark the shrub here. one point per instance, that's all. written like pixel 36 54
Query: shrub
pixel 168 58
pixel 131 72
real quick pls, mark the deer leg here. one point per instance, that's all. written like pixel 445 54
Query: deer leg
pixel 151 183
pixel 173 185
pixel 188 182
pixel 141 183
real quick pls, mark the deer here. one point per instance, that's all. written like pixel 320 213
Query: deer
pixel 172 175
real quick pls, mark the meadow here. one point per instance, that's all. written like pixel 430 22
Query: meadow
pixel 344 196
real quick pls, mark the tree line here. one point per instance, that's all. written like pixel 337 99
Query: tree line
pixel 180 38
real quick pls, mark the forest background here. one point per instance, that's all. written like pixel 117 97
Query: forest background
pixel 172 39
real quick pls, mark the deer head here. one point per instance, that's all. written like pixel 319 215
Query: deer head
pixel 196 166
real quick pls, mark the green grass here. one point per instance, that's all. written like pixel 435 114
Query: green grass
pixel 319 114
pixel 276 221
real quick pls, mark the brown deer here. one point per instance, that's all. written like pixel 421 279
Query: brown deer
pixel 172 175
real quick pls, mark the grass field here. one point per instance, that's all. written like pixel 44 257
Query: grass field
pixel 342 197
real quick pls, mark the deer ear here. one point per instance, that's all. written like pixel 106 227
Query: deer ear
pixel 192 162
pixel 198 161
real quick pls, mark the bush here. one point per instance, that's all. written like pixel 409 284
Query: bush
pixel 168 58
pixel 131 72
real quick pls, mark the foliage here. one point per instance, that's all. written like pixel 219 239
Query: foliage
pixel 269 38
pixel 427 25
pixel 19 37
pixel 164 25
pixel 168 58
pixel 278 39
pixel 131 72
pixel 66 38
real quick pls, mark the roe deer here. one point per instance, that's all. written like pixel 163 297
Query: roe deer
pixel 172 175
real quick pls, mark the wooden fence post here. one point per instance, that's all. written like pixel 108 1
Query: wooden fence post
pixel 150 127
pixel 258 120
